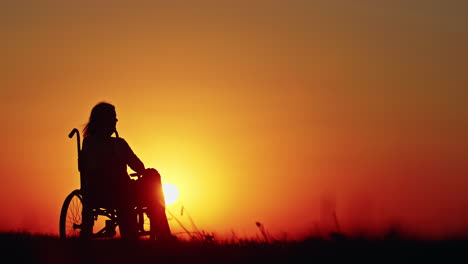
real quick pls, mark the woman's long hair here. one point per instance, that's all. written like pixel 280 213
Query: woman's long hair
pixel 102 116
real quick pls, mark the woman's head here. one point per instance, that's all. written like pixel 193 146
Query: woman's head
pixel 102 121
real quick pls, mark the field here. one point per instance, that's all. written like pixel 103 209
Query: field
pixel 28 248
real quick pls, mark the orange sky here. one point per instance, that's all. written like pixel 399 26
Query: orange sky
pixel 255 110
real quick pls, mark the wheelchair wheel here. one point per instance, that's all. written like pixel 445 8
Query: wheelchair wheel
pixel 71 215
pixel 102 222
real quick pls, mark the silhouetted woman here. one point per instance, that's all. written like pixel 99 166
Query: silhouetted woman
pixel 103 165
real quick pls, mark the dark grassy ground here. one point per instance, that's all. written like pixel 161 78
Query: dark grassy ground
pixel 27 248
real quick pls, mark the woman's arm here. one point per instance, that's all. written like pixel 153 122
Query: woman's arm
pixel 135 163
pixel 131 159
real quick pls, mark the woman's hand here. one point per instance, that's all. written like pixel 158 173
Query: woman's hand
pixel 150 171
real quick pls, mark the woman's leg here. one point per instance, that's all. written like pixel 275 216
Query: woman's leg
pixel 153 194
pixel 127 216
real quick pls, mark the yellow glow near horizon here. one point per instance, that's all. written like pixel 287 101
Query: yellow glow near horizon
pixel 170 193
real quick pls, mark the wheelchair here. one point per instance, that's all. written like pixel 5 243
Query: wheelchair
pixel 105 220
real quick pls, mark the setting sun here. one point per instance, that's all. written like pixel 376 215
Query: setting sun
pixel 170 193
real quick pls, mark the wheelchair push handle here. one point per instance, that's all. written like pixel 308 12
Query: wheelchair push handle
pixel 78 142
pixel 73 132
